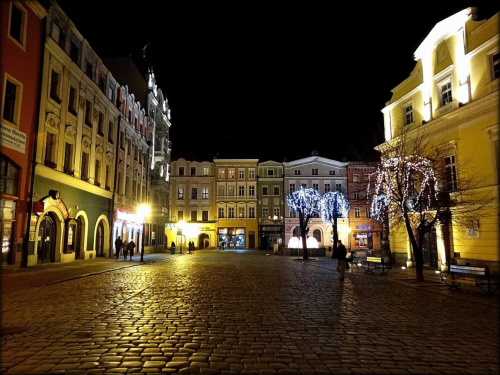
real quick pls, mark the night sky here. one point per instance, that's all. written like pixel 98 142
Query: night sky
pixel 270 80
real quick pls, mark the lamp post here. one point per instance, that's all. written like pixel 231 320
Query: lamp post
pixel 180 226
pixel 143 210
pixel 275 219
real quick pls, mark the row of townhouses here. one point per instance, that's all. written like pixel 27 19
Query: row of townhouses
pixel 85 145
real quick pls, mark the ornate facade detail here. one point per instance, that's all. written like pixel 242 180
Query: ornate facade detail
pixel 70 134
pixel 52 123
pixel 109 157
pixel 86 142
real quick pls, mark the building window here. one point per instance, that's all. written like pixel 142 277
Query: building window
pixel 251 190
pixel 9 175
pixel 357 212
pixel 270 172
pixel 315 171
pixel 265 211
pixel 332 173
pixel 72 100
pixel 368 212
pixel 366 177
pixel 107 178
pixel 408 113
pixel 303 186
pixel 180 215
pixel 446 96
pixel 85 166
pixel 11 108
pixel 277 211
pixel 241 212
pixel 297 172
pixel 74 49
pixel 338 187
pixel 194 216
pixel 315 186
pixel 204 215
pixel 230 191
pixel 194 193
pixel 111 131
pixel 180 193
pixel 355 178
pixel 100 124
pixel 221 213
pixel 264 190
pixel 193 171
pixel 206 170
pixel 231 213
pixel 251 212
pixel 495 62
pixel 251 174
pixel 50 150
pixel 451 173
pixel 356 194
pixel 241 191
pixel 327 188
pixel 18 23
pixel 204 193
pixel 276 190
pixel 89 70
pixel 55 86
pixel 97 173
pixel 220 191
pixel 181 171
pixel 292 188
pixel 88 113
pixel 221 173
pixel 68 159
pixel 241 174
pixel 230 174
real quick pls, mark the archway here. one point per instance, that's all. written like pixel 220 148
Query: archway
pixel 99 240
pixel 47 233
pixel 203 241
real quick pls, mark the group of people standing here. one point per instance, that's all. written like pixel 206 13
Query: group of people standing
pixel 127 248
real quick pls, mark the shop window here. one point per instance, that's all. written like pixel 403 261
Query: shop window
pixel 9 174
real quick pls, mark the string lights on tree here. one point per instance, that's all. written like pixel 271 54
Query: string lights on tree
pixel 334 204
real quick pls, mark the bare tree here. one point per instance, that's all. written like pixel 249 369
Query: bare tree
pixel 414 187
pixel 334 205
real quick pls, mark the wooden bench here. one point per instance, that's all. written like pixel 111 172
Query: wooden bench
pixel 376 264
pixel 482 278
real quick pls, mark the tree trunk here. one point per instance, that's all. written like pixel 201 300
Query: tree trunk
pixel 305 254
pixel 417 251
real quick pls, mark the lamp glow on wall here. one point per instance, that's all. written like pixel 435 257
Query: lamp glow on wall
pixel 143 210
pixel 180 226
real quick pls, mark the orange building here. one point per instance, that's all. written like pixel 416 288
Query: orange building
pixel 20 51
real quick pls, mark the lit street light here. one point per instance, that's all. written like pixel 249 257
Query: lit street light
pixel 143 210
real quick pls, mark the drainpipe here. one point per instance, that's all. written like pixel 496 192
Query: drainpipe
pixel 115 179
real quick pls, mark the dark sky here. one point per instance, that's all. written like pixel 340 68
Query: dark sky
pixel 270 80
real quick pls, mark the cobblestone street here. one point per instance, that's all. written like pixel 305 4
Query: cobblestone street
pixel 241 312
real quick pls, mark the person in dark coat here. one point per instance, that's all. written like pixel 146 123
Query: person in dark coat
pixel 130 249
pixel 341 259
pixel 118 246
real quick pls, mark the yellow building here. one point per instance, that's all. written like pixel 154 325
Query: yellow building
pixel 236 202
pixel 451 102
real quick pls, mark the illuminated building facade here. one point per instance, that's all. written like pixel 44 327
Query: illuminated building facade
pixel 236 202
pixel 323 175
pixel 365 232
pixel 451 99
pixel 192 205
pixel 271 202
pixel 20 40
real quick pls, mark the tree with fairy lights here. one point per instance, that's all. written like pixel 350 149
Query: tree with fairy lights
pixel 307 202
pixel 334 204
pixel 405 189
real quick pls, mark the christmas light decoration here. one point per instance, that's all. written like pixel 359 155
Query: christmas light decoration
pixel 334 204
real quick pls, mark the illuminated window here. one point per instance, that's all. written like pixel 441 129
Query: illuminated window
pixel 241 212
pixel 446 96
pixel 355 178
pixel 230 174
pixel 206 170
pixel 204 193
pixel 180 193
pixel 230 191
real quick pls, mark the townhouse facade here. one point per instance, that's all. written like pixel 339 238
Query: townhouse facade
pixel 20 40
pixel 193 215
pixel 270 205
pixel 452 97
pixel 236 202
pixel 323 175
pixel 365 232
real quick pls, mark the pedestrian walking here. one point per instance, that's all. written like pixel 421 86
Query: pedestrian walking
pixel 341 259
pixel 125 249
pixel 118 246
pixel 130 248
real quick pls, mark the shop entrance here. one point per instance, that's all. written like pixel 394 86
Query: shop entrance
pixel 47 243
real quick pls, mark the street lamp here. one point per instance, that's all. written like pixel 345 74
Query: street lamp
pixel 275 219
pixel 180 226
pixel 143 210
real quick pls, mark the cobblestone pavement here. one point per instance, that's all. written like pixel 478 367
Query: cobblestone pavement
pixel 240 312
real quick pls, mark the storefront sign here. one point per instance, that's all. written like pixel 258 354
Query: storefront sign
pixel 38 207
pixel 129 217
pixel 12 138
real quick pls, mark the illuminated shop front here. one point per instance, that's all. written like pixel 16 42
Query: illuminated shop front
pixel 128 225
pixel 365 238
pixel 232 237
pixel 201 234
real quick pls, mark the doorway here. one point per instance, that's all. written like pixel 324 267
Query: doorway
pixel 47 243
pixel 429 249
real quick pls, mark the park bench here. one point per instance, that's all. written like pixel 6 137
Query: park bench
pixel 376 264
pixel 482 277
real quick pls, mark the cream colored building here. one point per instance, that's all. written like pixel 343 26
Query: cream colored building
pixel 451 99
